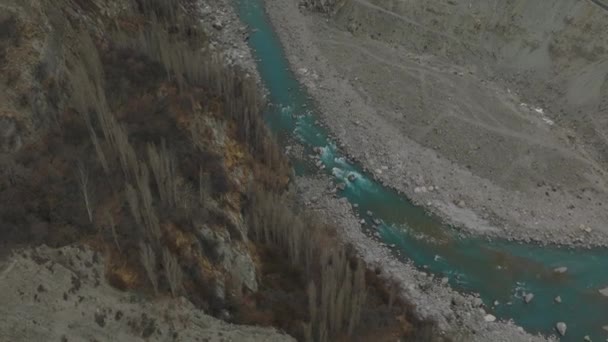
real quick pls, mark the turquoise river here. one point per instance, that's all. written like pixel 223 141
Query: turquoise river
pixel 497 270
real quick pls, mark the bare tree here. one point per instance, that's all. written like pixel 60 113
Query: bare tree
pixel 83 179
pixel 112 226
pixel 148 261
pixel 173 272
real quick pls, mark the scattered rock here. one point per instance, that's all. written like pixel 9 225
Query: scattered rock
pixel 558 300
pixel 528 298
pixel 489 318
pixel 561 328
pixel 560 270
pixel 477 302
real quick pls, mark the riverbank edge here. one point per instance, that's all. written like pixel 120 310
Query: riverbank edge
pixel 459 316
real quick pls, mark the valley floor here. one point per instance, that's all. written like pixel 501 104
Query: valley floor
pixel 465 147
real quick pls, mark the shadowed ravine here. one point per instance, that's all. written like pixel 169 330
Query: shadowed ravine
pixel 498 270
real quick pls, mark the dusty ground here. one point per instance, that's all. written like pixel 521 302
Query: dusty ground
pixel 61 295
pixel 425 95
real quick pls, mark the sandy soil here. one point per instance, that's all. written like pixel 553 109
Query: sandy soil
pixel 499 163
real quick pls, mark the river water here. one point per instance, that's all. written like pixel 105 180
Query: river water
pixel 499 270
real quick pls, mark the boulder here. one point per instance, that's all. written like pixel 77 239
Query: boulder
pixel 561 328
pixel 352 177
pixel 477 302
pixel 489 318
pixel 528 298
pixel 558 300
pixel 587 338
pixel 604 292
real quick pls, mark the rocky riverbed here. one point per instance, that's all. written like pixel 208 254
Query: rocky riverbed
pixel 474 178
pixel 460 316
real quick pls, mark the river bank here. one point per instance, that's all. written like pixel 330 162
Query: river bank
pixel 460 317
pixel 370 132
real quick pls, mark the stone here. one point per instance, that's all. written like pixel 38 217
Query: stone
pixel 528 298
pixel 477 302
pixel 362 221
pixel 369 213
pixel 356 205
pixel 458 301
pixel 218 25
pixel 341 186
pixel 489 318
pixel 461 204
pixel 496 303
pixel 444 280
pixel 561 328
pixel 352 177
pixel 558 299
pixel 605 327
pixel 604 292
pixel 377 222
pixel 587 338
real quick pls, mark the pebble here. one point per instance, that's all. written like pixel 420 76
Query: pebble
pixel 561 328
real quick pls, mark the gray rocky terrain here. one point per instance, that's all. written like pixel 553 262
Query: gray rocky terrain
pixel 497 105
pixel 62 295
